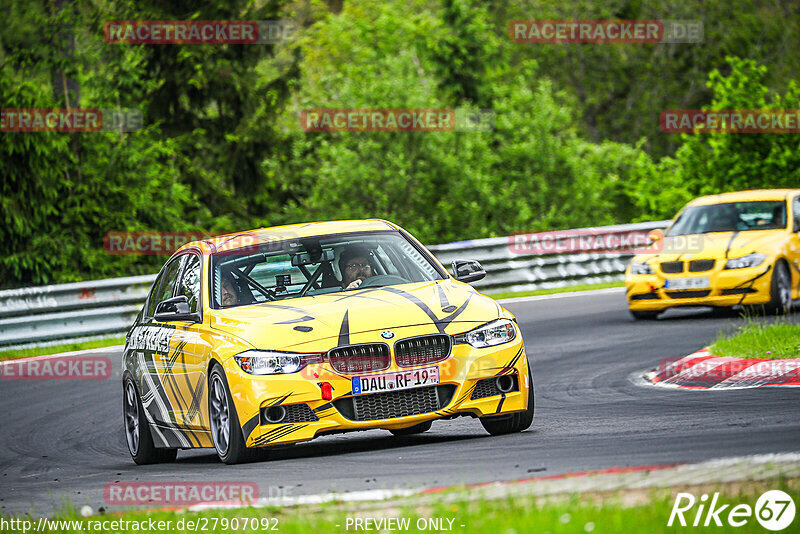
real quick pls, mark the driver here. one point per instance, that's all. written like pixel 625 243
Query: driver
pixel 230 296
pixel 354 265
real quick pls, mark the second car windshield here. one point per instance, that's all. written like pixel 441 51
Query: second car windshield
pixel 316 265
pixel 730 217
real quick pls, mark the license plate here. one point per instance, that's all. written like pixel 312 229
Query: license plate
pixel 427 376
pixel 688 283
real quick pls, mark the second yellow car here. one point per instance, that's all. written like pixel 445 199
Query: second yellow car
pixel 724 250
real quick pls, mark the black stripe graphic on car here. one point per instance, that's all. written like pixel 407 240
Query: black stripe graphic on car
pixel 500 404
pixel 250 425
pixel 443 302
pixel 282 434
pixel 344 331
pixel 298 320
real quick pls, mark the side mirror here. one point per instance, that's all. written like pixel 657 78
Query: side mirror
pixel 468 270
pixel 175 309
pixel 654 236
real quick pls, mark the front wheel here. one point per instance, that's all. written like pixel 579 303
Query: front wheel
pixel 137 430
pixel 781 290
pixel 225 430
pixel 515 422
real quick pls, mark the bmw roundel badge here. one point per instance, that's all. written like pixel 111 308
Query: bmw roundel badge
pixel 387 334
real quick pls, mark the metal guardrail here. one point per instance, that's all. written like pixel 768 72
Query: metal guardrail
pixel 37 316
pixel 510 271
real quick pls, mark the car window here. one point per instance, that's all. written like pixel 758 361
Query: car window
pixel 796 211
pixel 190 282
pixel 169 279
pixel 730 217
pixel 313 266
pixel 152 299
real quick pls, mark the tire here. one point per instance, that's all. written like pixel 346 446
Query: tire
pixel 226 432
pixel 137 430
pixel 410 430
pixel 781 290
pixel 515 422
pixel 645 315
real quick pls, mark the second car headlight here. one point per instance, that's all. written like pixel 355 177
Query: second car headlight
pixel 641 268
pixel 751 260
pixel 489 335
pixel 268 362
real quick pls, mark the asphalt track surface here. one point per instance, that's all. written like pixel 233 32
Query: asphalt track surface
pixel 63 441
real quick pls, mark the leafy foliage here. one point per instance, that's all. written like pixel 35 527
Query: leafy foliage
pixel 575 143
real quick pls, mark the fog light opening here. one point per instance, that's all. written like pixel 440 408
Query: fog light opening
pixel 505 383
pixel 275 414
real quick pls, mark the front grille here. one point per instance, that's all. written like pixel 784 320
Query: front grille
pixel 488 388
pixel 672 267
pixel 738 291
pixel 645 296
pixel 688 294
pixel 295 413
pixel 360 358
pixel 697 266
pixel 395 403
pixel 422 350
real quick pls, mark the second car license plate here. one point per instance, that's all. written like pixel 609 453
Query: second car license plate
pixel 427 376
pixel 701 282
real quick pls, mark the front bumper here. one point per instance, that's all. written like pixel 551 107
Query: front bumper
pixel 728 287
pixel 460 393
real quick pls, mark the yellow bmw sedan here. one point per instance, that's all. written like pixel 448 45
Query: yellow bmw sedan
pixel 283 334
pixel 723 250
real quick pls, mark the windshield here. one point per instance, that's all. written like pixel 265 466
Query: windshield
pixel 317 265
pixel 730 217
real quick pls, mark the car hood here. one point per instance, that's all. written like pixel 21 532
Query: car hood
pixel 717 245
pixel 322 322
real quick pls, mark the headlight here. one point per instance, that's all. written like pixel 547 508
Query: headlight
pixel 751 260
pixel 268 362
pixel 641 268
pixel 489 335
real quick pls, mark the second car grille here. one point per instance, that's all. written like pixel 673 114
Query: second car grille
pixel 360 358
pixel 395 403
pixel 697 266
pixel 422 350
pixel 692 294
pixel 672 267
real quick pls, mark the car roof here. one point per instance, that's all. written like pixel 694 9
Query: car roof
pixel 742 196
pixel 291 231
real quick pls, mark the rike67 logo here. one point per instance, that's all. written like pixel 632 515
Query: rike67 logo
pixel 774 510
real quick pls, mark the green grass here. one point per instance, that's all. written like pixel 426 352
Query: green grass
pixel 625 512
pixel 55 349
pixel 760 340
pixel 579 287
